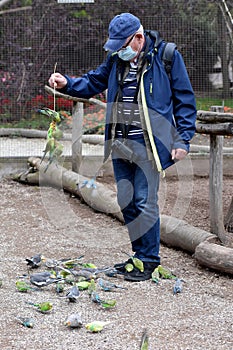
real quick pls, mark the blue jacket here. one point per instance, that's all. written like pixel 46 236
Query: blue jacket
pixel 171 112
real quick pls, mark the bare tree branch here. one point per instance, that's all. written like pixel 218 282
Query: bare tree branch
pixel 16 9
pixel 227 18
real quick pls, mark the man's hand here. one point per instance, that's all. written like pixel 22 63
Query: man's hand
pixel 57 81
pixel 178 154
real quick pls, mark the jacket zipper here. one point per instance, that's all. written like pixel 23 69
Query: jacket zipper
pixel 148 125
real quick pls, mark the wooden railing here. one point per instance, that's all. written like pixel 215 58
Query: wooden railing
pixel 216 124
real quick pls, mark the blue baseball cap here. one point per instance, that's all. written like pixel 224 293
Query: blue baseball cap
pixel 120 28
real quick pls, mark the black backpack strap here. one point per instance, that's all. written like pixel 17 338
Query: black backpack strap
pixel 167 55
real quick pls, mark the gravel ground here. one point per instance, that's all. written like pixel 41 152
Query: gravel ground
pixel 58 225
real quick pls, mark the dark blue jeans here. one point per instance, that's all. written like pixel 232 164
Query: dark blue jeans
pixel 137 195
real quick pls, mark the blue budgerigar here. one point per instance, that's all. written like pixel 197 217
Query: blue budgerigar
pixel 178 286
pixel 108 286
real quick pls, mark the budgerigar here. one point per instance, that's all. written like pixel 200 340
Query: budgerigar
pixel 108 286
pixel 178 286
pixel 136 262
pixel 144 345
pixel 35 260
pixel 26 321
pixel 22 286
pixel 155 276
pixel 73 294
pixel 96 326
pixel 49 148
pixel 165 273
pixel 74 321
pixel 42 279
pixel 55 116
pixel 42 307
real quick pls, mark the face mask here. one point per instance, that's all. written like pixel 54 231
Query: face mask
pixel 127 54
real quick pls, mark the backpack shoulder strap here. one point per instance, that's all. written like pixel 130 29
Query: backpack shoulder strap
pixel 167 55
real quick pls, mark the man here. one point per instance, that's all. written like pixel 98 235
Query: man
pixel 149 123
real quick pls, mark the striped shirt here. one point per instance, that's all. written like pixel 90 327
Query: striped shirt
pixel 128 111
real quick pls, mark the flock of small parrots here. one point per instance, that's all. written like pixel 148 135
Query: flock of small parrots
pixel 53 147
pixel 80 276
pixel 70 277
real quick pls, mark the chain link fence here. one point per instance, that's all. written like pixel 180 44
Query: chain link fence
pixel 72 36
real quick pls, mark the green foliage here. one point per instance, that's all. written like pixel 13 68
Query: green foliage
pixel 26 2
pixel 206 102
pixel 35 122
pixel 80 14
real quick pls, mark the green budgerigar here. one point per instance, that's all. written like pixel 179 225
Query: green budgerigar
pixel 92 286
pixel 22 286
pixel 136 263
pixel 96 326
pixel 55 116
pixel 83 285
pixel 108 304
pixel 144 345
pixel 49 148
pixel 44 307
pixel 165 273
pixel 57 133
pixel 155 276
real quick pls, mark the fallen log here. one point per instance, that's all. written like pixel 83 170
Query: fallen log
pixel 215 256
pixel 38 134
pixel 179 234
pixel 174 232
pixel 20 132
pixel 99 198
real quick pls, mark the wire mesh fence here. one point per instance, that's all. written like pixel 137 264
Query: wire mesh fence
pixel 34 40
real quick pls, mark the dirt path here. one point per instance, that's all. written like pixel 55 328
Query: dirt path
pixel 58 225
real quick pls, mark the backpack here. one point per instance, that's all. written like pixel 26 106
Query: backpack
pixel 167 55
pixel 167 52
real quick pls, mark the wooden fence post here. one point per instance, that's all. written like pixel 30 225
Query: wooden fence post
pixel 77 127
pixel 216 182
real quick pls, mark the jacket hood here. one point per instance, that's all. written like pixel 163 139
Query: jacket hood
pixel 154 36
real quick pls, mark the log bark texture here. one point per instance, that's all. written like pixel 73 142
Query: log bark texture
pixel 215 256
pixel 214 117
pixel 100 198
pixel 216 129
pixel 179 234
